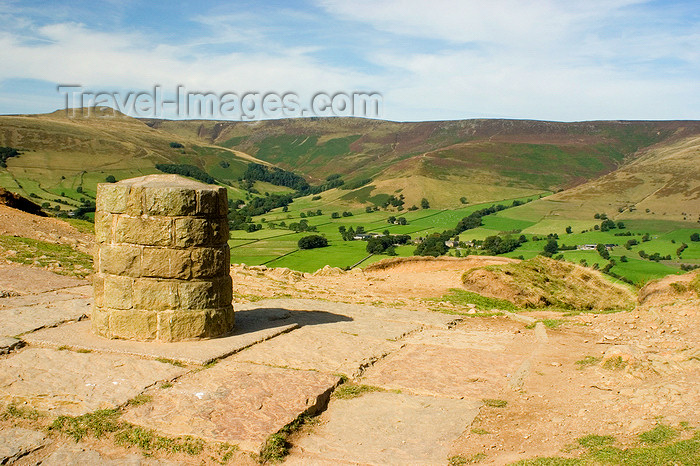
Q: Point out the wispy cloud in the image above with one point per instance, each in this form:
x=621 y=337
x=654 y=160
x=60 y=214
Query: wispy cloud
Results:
x=441 y=59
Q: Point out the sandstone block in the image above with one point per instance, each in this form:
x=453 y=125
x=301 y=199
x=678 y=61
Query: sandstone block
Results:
x=98 y=284
x=118 y=291
x=120 y=259
x=225 y=287
x=209 y=262
x=135 y=202
x=192 y=231
x=166 y=263
x=182 y=325
x=171 y=201
x=103 y=226
x=111 y=198
x=223 y=202
x=150 y=231
x=133 y=324
x=155 y=295
x=198 y=294
x=100 y=322
x=208 y=202
x=219 y=232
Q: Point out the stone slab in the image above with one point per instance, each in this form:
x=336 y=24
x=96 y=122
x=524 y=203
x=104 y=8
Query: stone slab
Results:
x=320 y=349
x=463 y=338
x=356 y=311
x=65 y=294
x=75 y=455
x=440 y=371
x=7 y=344
x=338 y=338
x=19 y=320
x=72 y=383
x=17 y=442
x=234 y=402
x=26 y=279
x=252 y=327
x=386 y=428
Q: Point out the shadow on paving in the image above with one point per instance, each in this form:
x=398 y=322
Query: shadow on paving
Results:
x=254 y=320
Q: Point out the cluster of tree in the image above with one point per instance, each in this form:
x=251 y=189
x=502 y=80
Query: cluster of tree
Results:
x=276 y=176
x=689 y=267
x=424 y=204
x=473 y=220
x=656 y=257
x=434 y=245
x=630 y=243
x=386 y=244
x=348 y=234
x=369 y=209
x=680 y=250
x=394 y=201
x=333 y=181
x=6 y=153
x=495 y=245
x=176 y=145
x=608 y=224
x=311 y=213
x=397 y=221
x=186 y=170
x=345 y=214
x=312 y=242
x=240 y=216
x=602 y=251
x=301 y=225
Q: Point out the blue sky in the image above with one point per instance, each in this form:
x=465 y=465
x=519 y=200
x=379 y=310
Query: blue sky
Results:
x=430 y=60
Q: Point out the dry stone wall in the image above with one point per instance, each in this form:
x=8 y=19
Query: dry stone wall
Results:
x=162 y=260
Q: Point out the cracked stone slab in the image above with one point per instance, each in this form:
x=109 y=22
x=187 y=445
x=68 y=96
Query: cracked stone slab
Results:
x=453 y=363
x=64 y=294
x=25 y=279
x=17 y=442
x=386 y=428
x=8 y=344
x=19 y=320
x=75 y=455
x=252 y=327
x=71 y=383
x=315 y=348
x=335 y=337
x=234 y=402
x=436 y=371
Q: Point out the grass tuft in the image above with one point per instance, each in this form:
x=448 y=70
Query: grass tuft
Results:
x=495 y=403
x=275 y=449
x=20 y=412
x=587 y=361
x=659 y=434
x=594 y=440
x=348 y=391
x=459 y=460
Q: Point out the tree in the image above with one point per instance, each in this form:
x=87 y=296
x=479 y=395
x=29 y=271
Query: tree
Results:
x=368 y=209
x=110 y=179
x=568 y=230
x=312 y=242
x=402 y=221
x=551 y=247
x=335 y=215
x=424 y=204
x=391 y=219
x=463 y=200
x=695 y=237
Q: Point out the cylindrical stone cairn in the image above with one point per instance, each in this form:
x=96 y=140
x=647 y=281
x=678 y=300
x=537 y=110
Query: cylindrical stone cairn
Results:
x=162 y=260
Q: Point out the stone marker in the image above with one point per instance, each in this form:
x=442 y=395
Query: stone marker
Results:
x=162 y=260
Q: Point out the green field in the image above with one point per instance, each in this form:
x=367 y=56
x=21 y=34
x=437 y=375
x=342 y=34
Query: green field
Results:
x=278 y=247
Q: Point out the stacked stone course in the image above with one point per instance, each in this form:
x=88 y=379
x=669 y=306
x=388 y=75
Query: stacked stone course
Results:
x=162 y=260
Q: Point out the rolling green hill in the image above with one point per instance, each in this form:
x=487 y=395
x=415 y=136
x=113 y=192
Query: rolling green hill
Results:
x=62 y=159
x=487 y=159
